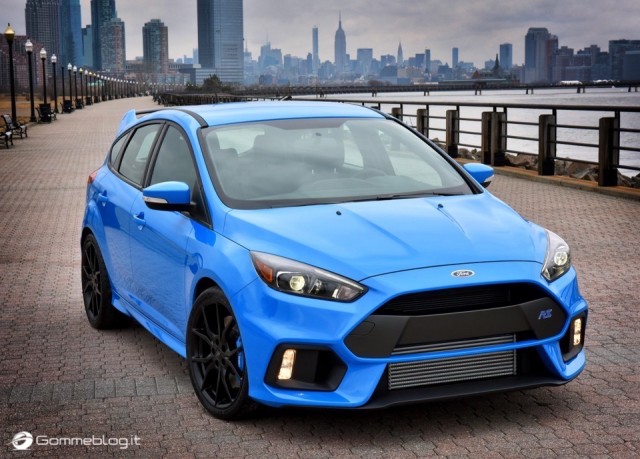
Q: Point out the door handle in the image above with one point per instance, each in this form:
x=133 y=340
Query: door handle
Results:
x=139 y=219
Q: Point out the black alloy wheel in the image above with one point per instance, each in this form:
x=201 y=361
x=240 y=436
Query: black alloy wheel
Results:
x=216 y=359
x=96 y=288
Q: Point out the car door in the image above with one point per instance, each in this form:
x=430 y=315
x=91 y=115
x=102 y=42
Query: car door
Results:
x=117 y=192
x=159 y=239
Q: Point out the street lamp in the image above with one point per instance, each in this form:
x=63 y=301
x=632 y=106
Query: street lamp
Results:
x=87 y=96
x=9 y=35
x=64 y=96
x=75 y=85
x=43 y=58
x=54 y=60
x=69 y=68
x=80 y=72
x=29 y=48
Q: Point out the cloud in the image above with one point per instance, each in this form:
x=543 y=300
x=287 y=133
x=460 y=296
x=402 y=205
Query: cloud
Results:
x=477 y=28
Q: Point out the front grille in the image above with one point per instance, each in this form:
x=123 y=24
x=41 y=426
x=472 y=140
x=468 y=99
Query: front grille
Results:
x=461 y=299
x=422 y=373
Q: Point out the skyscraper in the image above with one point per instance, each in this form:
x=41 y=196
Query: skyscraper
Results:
x=42 y=19
x=618 y=50
x=71 y=33
x=539 y=47
x=506 y=56
x=340 y=49
x=155 y=44
x=316 y=57
x=400 y=57
x=87 y=48
x=220 y=38
x=113 y=47
x=427 y=60
x=454 y=58
x=102 y=11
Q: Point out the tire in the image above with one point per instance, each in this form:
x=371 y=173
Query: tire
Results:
x=96 y=288
x=215 y=357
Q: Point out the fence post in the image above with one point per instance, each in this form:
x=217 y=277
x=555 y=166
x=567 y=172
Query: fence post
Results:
x=498 y=138
x=609 y=151
x=422 y=121
x=547 y=145
x=453 y=132
x=485 y=147
x=396 y=112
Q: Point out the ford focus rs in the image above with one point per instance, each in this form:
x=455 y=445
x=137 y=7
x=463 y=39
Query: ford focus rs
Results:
x=323 y=255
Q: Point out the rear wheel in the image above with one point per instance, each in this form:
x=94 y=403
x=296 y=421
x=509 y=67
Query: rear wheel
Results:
x=216 y=359
x=96 y=288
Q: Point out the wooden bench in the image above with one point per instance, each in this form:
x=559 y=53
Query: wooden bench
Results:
x=15 y=128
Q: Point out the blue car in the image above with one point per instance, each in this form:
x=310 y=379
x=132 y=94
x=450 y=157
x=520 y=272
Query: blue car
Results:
x=318 y=254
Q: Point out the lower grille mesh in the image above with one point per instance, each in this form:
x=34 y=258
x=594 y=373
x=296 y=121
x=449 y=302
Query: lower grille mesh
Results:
x=421 y=373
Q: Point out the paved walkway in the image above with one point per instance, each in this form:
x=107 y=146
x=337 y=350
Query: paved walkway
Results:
x=60 y=378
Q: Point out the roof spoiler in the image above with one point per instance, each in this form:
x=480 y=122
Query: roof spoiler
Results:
x=132 y=115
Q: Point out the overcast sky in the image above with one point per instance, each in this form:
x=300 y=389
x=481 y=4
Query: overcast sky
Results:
x=476 y=27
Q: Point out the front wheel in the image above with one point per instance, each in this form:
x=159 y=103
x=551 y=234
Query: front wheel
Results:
x=216 y=359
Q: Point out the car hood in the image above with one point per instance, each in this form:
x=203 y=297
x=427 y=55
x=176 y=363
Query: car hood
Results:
x=364 y=239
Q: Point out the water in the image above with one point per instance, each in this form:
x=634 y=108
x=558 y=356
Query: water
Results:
x=618 y=97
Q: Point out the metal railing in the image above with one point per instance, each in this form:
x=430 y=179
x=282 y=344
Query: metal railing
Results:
x=496 y=130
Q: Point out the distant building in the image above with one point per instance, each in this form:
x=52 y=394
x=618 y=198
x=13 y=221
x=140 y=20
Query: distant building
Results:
x=315 y=56
x=454 y=58
x=220 y=38
x=71 y=33
x=631 y=66
x=155 y=45
x=539 y=49
x=506 y=56
x=340 y=48
x=102 y=11
x=400 y=59
x=113 y=47
x=427 y=60
x=42 y=18
x=364 y=58
x=617 y=52
x=87 y=48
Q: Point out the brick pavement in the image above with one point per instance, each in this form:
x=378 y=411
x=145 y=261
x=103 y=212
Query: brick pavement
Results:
x=59 y=377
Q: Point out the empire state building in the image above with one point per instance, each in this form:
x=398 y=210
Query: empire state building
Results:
x=340 y=50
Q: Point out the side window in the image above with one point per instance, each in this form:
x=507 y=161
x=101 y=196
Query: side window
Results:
x=174 y=162
x=134 y=158
x=115 y=150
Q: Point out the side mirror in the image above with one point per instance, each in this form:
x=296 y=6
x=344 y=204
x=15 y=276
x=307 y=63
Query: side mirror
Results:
x=168 y=196
x=482 y=173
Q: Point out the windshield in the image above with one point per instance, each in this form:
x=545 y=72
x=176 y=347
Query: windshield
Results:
x=311 y=161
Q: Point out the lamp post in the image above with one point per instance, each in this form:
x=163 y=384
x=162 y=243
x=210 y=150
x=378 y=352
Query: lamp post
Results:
x=75 y=85
x=43 y=58
x=87 y=93
x=69 y=68
x=64 y=96
x=54 y=60
x=9 y=35
x=80 y=72
x=29 y=48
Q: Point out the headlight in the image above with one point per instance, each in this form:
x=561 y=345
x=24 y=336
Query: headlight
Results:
x=299 y=279
x=558 y=258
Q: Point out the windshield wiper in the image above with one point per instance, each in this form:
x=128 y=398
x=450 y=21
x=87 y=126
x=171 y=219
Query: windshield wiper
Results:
x=385 y=197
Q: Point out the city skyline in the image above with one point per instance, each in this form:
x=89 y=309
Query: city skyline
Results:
x=478 y=28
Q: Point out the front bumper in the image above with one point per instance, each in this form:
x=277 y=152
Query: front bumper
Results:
x=373 y=345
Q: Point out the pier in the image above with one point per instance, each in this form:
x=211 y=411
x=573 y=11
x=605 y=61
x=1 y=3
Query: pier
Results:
x=60 y=377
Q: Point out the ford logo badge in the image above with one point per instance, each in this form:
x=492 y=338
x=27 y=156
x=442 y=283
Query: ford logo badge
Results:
x=463 y=273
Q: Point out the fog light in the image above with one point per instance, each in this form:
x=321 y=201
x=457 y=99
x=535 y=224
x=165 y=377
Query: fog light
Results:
x=286 y=368
x=577 y=331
